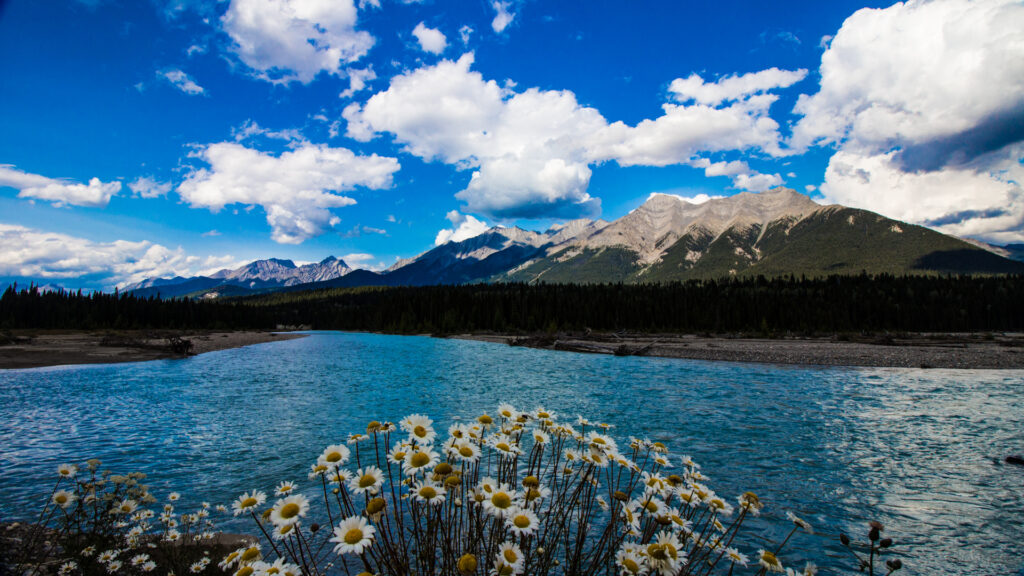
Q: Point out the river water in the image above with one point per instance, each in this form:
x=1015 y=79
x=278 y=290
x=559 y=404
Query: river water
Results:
x=919 y=450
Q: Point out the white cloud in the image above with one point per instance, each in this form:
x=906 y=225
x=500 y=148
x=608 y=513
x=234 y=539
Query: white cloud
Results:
x=297 y=189
x=430 y=39
x=985 y=203
x=35 y=253
x=531 y=151
x=464 y=227
x=357 y=80
x=147 y=187
x=181 y=81
x=502 y=15
x=60 y=192
x=363 y=261
x=465 y=33
x=916 y=71
x=733 y=87
x=742 y=176
x=925 y=101
x=695 y=199
x=294 y=40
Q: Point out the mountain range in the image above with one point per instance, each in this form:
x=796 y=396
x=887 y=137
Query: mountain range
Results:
x=668 y=238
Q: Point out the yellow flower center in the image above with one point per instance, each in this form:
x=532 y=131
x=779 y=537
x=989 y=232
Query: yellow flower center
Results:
x=367 y=480
x=510 y=555
x=521 y=521
x=501 y=500
x=657 y=551
x=543 y=414
x=353 y=536
x=631 y=565
x=375 y=505
x=502 y=446
x=250 y=554
x=61 y=498
x=531 y=482
x=289 y=510
x=651 y=506
x=249 y=503
x=245 y=571
x=466 y=451
x=333 y=457
x=420 y=459
x=769 y=558
x=399 y=456
x=485 y=420
x=419 y=431
x=428 y=493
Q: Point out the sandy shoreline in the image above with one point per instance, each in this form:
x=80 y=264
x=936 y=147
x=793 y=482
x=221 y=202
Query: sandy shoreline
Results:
x=34 y=349
x=963 y=351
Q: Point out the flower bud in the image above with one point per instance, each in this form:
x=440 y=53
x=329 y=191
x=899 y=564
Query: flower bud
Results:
x=314 y=528
x=885 y=543
x=844 y=539
x=467 y=564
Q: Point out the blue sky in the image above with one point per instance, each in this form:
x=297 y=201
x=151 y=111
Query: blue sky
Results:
x=145 y=138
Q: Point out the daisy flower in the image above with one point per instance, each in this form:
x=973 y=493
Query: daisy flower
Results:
x=63 y=498
x=768 y=561
x=283 y=531
x=419 y=460
x=248 y=502
x=485 y=421
x=522 y=521
x=511 y=555
x=284 y=488
x=67 y=568
x=140 y=559
x=751 y=503
x=334 y=455
x=107 y=556
x=800 y=522
x=429 y=492
x=736 y=557
x=289 y=510
x=420 y=428
x=630 y=563
x=197 y=567
x=67 y=470
x=664 y=554
x=505 y=447
x=540 y=436
x=113 y=566
x=542 y=414
x=368 y=479
x=353 y=536
x=88 y=551
x=507 y=411
x=127 y=506
x=398 y=453
x=148 y=566
x=174 y=497
x=501 y=500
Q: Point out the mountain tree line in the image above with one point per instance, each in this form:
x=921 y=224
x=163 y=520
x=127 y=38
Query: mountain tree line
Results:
x=786 y=304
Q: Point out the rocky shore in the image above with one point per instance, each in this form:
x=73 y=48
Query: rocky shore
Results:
x=963 y=351
x=34 y=349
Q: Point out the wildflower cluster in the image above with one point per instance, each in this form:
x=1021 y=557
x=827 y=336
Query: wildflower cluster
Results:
x=506 y=494
x=103 y=523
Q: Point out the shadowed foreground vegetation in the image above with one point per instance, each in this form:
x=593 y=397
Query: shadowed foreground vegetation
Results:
x=826 y=305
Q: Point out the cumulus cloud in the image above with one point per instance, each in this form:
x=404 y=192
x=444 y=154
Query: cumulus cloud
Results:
x=743 y=177
x=181 y=81
x=251 y=129
x=294 y=40
x=146 y=187
x=297 y=189
x=364 y=261
x=60 y=192
x=464 y=226
x=503 y=15
x=920 y=95
x=986 y=203
x=530 y=152
x=39 y=254
x=430 y=39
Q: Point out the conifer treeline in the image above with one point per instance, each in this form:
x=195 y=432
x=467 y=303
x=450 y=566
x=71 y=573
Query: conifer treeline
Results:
x=30 y=308
x=827 y=305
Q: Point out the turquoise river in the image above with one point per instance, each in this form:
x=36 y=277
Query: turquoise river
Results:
x=919 y=450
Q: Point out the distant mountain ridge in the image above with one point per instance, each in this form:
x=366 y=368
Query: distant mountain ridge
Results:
x=668 y=238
